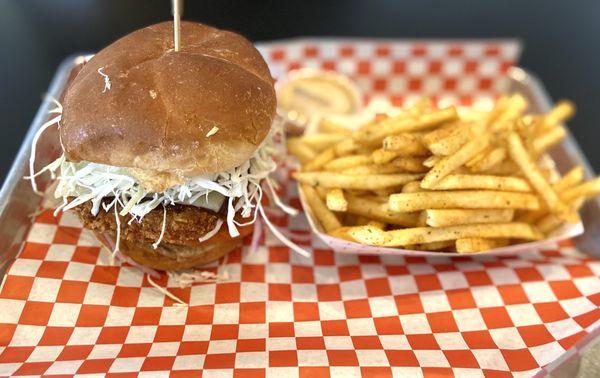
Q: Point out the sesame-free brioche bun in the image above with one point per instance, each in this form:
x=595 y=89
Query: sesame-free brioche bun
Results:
x=162 y=104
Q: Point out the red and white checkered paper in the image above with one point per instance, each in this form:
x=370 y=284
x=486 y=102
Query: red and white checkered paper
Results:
x=65 y=310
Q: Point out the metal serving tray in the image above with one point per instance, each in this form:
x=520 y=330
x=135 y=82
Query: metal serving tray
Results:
x=18 y=203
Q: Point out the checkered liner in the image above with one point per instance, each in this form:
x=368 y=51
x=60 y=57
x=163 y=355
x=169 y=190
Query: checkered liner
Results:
x=447 y=71
x=65 y=310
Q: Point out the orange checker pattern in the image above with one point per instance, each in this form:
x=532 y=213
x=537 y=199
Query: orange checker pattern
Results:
x=64 y=310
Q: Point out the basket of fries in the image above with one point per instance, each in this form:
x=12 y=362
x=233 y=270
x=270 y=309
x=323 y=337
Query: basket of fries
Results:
x=431 y=180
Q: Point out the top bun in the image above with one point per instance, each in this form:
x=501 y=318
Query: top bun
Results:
x=161 y=104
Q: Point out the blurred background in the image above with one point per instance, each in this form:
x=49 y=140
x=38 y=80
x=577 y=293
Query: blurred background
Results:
x=560 y=40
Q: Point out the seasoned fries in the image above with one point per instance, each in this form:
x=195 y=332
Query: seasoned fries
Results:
x=471 y=245
x=488 y=160
x=463 y=199
x=346 y=162
x=409 y=144
x=455 y=217
x=367 y=182
x=569 y=180
x=328 y=126
x=533 y=173
x=298 y=148
x=327 y=219
x=449 y=164
x=510 y=184
x=320 y=160
x=439 y=180
x=320 y=142
x=418 y=235
x=587 y=190
x=448 y=140
x=336 y=201
x=379 y=211
x=391 y=126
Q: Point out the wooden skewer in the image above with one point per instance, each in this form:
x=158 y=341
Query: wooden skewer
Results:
x=177 y=10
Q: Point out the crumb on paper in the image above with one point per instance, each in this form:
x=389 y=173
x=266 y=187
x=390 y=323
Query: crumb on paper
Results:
x=153 y=93
x=106 y=79
x=212 y=132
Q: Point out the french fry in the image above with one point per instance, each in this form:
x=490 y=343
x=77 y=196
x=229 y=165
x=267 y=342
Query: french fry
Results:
x=359 y=220
x=466 y=199
x=330 y=127
x=320 y=142
x=412 y=187
x=379 y=211
x=522 y=159
x=397 y=238
x=505 y=167
x=382 y=156
x=586 y=190
x=548 y=139
x=434 y=246
x=499 y=107
x=570 y=179
x=326 y=218
x=300 y=150
x=409 y=144
x=322 y=192
x=472 y=245
x=479 y=156
x=515 y=107
x=551 y=222
x=397 y=125
x=422 y=106
x=532 y=216
x=431 y=161
x=559 y=113
x=447 y=141
x=346 y=162
x=455 y=217
x=504 y=183
x=443 y=132
x=371 y=134
x=346 y=147
x=409 y=164
x=342 y=233
x=379 y=199
x=422 y=220
x=318 y=162
x=359 y=192
x=374 y=169
x=449 y=164
x=336 y=201
x=370 y=182
x=494 y=157
x=376 y=224
x=385 y=193
x=528 y=127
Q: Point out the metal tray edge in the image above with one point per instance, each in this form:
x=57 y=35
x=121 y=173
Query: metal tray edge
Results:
x=14 y=174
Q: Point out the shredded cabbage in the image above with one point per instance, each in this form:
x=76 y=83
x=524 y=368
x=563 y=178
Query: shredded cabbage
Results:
x=106 y=79
x=84 y=181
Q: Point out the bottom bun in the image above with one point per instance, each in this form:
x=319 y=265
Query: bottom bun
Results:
x=177 y=257
x=174 y=257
